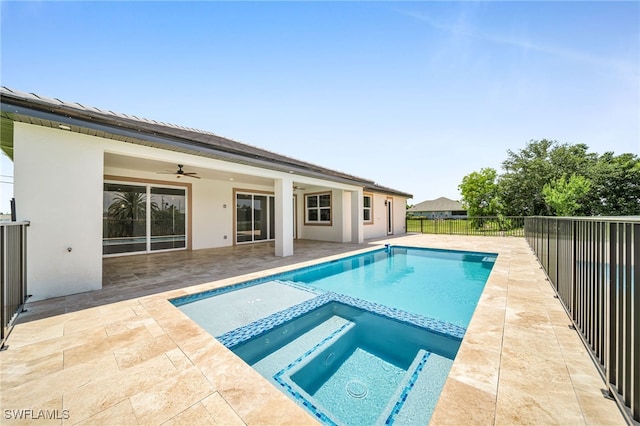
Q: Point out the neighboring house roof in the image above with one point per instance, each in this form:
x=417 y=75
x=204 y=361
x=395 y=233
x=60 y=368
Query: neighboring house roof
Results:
x=35 y=109
x=441 y=204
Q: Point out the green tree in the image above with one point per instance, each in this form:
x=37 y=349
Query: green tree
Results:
x=538 y=164
x=127 y=215
x=480 y=193
x=565 y=196
x=616 y=185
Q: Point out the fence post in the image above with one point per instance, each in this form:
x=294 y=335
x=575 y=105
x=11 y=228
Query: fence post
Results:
x=13 y=275
x=611 y=356
x=635 y=363
x=3 y=272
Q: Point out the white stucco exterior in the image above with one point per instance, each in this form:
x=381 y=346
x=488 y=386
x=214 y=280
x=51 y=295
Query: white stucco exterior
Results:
x=59 y=181
x=378 y=226
x=58 y=186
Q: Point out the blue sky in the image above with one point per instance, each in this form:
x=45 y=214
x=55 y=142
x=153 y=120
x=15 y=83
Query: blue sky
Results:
x=414 y=95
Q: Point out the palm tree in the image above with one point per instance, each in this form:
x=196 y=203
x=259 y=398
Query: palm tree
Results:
x=127 y=215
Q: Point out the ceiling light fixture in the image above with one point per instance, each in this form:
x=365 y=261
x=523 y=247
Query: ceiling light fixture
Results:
x=64 y=127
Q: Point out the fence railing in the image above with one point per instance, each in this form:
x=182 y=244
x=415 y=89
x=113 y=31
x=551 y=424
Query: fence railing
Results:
x=592 y=263
x=503 y=226
x=13 y=274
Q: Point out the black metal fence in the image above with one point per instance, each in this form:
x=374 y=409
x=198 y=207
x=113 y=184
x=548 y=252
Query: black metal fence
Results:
x=593 y=265
x=502 y=226
x=13 y=274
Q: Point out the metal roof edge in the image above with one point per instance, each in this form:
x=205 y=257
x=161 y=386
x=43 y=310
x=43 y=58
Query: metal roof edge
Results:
x=192 y=146
x=152 y=131
x=384 y=190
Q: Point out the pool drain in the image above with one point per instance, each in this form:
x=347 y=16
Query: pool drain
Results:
x=356 y=389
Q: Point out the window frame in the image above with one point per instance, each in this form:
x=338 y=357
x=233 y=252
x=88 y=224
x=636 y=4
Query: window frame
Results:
x=318 y=208
x=148 y=184
x=269 y=211
x=365 y=208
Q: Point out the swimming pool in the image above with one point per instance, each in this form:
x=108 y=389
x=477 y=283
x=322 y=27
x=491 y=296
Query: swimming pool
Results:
x=368 y=339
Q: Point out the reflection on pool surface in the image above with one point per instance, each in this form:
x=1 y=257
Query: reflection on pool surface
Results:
x=346 y=344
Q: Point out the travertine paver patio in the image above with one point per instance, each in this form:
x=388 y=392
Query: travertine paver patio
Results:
x=125 y=355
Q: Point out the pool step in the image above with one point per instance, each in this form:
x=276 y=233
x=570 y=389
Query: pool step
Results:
x=418 y=395
x=410 y=401
x=285 y=355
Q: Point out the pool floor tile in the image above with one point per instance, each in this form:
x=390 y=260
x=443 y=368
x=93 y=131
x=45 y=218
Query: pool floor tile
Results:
x=99 y=394
x=142 y=350
x=467 y=404
x=221 y=411
x=161 y=402
x=197 y=414
x=477 y=366
x=276 y=410
x=120 y=413
x=516 y=406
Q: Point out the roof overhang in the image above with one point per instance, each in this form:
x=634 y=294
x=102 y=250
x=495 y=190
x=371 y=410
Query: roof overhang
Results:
x=27 y=108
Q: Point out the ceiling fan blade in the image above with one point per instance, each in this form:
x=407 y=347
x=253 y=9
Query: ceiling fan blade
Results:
x=179 y=173
x=191 y=175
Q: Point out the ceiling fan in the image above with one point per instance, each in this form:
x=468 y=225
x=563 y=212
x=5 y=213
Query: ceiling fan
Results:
x=179 y=173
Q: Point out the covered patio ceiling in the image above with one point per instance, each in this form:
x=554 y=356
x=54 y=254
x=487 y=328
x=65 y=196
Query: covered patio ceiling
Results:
x=163 y=169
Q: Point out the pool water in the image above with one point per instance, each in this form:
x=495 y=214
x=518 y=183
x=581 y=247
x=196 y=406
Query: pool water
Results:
x=440 y=284
x=359 y=388
x=369 y=339
x=351 y=366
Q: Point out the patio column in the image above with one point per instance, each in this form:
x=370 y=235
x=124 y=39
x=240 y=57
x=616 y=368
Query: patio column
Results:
x=357 y=230
x=284 y=216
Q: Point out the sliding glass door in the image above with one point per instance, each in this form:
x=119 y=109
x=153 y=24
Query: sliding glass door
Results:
x=168 y=218
x=124 y=218
x=255 y=217
x=142 y=218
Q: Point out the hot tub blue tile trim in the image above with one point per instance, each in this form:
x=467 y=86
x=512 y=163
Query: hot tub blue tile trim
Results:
x=297 y=395
x=242 y=334
x=405 y=391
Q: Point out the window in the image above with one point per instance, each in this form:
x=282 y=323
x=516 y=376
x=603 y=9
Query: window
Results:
x=367 y=212
x=143 y=218
x=318 y=208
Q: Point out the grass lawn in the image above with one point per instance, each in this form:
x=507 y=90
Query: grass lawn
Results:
x=508 y=227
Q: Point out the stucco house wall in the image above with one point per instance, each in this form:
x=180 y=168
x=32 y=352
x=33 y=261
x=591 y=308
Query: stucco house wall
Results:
x=378 y=227
x=59 y=187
